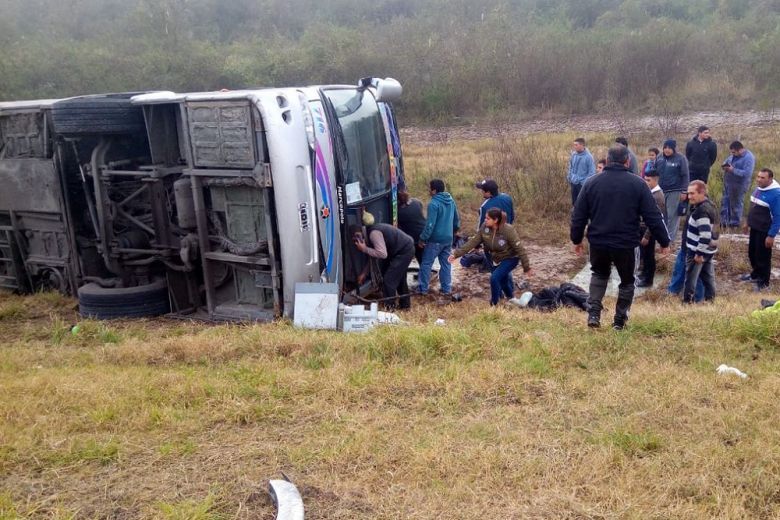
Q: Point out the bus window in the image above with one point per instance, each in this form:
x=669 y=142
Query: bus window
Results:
x=367 y=165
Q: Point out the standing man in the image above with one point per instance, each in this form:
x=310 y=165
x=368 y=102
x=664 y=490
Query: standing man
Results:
x=634 y=163
x=647 y=244
x=611 y=205
x=411 y=220
x=672 y=169
x=581 y=166
x=395 y=250
x=763 y=222
x=737 y=174
x=701 y=242
x=494 y=199
x=701 y=152
x=436 y=238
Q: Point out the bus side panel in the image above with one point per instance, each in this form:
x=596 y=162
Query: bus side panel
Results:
x=330 y=211
x=293 y=185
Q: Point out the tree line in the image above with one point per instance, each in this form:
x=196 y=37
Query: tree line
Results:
x=454 y=57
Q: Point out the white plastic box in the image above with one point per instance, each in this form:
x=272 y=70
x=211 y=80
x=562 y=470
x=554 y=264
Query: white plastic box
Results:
x=356 y=318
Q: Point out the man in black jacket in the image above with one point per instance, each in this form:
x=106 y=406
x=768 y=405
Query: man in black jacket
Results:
x=701 y=152
x=610 y=205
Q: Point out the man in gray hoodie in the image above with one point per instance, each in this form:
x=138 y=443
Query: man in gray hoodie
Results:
x=436 y=237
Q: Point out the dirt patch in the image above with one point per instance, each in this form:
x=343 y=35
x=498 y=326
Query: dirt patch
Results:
x=553 y=265
x=422 y=136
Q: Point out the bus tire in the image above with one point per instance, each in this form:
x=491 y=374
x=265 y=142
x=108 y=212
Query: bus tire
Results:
x=105 y=303
x=110 y=114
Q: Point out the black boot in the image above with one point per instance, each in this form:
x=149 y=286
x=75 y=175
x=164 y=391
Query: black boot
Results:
x=594 y=319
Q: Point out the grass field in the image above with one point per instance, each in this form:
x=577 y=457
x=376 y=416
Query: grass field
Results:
x=500 y=413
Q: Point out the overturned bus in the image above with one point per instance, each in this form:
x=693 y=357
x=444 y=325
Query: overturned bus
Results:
x=208 y=205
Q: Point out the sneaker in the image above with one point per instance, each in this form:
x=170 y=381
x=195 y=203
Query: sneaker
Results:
x=644 y=283
x=767 y=303
x=619 y=323
x=747 y=277
x=594 y=320
x=759 y=287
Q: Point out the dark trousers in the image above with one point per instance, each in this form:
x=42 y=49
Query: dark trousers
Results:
x=700 y=174
x=694 y=272
x=501 y=280
x=760 y=257
x=575 y=192
x=601 y=262
x=648 y=261
x=394 y=278
x=418 y=253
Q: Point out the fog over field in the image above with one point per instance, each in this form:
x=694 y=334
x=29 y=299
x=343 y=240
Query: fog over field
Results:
x=455 y=57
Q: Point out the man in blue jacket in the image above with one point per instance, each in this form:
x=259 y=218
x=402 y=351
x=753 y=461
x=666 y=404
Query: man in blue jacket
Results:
x=610 y=205
x=494 y=199
x=436 y=238
x=763 y=222
x=581 y=167
x=672 y=169
x=737 y=174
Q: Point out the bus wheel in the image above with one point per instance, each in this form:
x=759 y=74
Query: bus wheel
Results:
x=106 y=303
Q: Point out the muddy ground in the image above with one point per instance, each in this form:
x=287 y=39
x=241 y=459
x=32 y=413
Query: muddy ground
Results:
x=469 y=131
x=553 y=265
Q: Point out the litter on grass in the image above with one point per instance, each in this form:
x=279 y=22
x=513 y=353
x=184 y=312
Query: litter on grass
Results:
x=725 y=369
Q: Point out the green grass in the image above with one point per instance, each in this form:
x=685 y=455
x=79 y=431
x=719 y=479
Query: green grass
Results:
x=501 y=412
x=414 y=421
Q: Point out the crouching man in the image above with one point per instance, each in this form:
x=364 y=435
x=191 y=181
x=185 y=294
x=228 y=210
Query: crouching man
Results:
x=394 y=249
x=701 y=242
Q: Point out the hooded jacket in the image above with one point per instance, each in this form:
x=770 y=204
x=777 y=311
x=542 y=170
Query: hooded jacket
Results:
x=501 y=243
x=442 y=221
x=764 y=214
x=701 y=155
x=673 y=172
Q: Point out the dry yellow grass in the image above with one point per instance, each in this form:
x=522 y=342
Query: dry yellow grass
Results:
x=501 y=413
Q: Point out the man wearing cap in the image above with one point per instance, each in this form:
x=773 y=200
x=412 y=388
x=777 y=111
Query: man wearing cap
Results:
x=701 y=152
x=672 y=168
x=394 y=249
x=494 y=199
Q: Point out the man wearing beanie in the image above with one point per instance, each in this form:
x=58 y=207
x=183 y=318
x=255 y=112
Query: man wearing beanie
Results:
x=394 y=249
x=672 y=169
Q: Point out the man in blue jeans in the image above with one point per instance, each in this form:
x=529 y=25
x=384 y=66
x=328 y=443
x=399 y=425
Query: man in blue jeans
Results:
x=436 y=238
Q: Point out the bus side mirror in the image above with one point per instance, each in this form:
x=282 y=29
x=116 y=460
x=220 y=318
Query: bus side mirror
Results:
x=388 y=90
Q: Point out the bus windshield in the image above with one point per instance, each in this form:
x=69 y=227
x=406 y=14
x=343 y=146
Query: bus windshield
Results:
x=367 y=165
